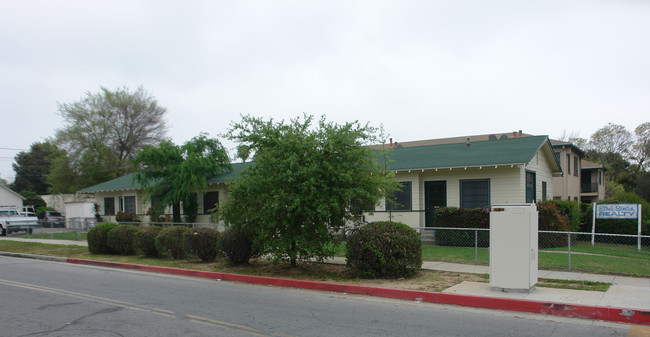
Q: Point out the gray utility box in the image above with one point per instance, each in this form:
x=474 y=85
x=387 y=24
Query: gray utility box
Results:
x=513 y=247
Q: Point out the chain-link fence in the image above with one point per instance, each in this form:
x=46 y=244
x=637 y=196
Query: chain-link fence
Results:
x=597 y=252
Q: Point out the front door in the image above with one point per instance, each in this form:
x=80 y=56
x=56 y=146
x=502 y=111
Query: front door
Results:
x=435 y=196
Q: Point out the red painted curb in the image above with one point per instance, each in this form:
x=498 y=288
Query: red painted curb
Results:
x=558 y=309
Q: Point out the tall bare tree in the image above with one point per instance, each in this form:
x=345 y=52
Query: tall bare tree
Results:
x=103 y=131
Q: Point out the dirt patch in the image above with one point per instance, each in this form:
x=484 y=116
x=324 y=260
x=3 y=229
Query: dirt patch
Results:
x=425 y=280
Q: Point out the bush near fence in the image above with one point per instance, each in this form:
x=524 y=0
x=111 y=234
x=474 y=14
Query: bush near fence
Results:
x=551 y=218
x=453 y=217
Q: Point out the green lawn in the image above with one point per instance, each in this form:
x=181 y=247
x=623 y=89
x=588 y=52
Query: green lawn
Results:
x=600 y=259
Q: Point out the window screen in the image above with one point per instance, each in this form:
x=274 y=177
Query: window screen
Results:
x=401 y=200
x=475 y=193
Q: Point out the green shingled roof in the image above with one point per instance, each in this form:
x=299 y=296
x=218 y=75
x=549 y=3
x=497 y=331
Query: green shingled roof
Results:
x=512 y=151
x=492 y=152
x=126 y=182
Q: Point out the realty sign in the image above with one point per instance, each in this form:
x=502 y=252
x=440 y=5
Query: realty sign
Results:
x=617 y=211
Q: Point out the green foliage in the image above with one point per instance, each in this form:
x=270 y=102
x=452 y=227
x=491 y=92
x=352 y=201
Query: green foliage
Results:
x=171 y=241
x=550 y=219
x=33 y=167
x=571 y=211
x=643 y=186
x=173 y=174
x=123 y=217
x=236 y=246
x=145 y=241
x=190 y=209
x=98 y=238
x=202 y=242
x=384 y=250
x=121 y=239
x=301 y=183
x=454 y=217
x=33 y=199
x=96 y=210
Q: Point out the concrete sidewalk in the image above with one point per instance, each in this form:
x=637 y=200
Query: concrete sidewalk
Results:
x=628 y=293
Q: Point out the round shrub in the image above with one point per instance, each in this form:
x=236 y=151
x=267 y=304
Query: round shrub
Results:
x=384 y=249
x=170 y=241
x=236 y=246
x=98 y=238
x=121 y=239
x=145 y=241
x=203 y=243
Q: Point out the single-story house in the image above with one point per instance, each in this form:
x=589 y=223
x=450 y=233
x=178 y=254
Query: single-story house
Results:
x=466 y=174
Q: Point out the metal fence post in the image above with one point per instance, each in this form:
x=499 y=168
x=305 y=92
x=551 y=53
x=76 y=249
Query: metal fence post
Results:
x=476 y=246
x=569 y=241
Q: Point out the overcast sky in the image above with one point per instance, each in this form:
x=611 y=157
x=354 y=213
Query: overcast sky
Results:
x=423 y=69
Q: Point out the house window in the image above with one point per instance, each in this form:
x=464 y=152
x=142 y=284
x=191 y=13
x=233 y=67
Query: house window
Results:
x=531 y=186
x=210 y=201
x=544 y=191
x=475 y=193
x=568 y=163
x=127 y=204
x=576 y=169
x=557 y=158
x=401 y=200
x=109 y=206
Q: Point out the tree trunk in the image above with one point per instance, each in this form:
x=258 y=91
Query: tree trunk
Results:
x=176 y=212
x=293 y=255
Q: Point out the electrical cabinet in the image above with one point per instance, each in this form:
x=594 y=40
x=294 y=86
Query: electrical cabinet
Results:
x=513 y=247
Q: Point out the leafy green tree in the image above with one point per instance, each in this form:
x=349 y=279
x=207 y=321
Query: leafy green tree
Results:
x=33 y=199
x=102 y=132
x=33 y=166
x=171 y=174
x=302 y=183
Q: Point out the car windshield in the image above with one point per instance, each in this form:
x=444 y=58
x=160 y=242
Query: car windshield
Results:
x=55 y=214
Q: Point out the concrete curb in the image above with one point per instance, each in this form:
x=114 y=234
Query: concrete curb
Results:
x=610 y=314
x=35 y=257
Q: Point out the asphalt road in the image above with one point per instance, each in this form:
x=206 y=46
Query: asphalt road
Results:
x=39 y=298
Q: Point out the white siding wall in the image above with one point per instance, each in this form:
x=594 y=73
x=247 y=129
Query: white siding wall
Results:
x=8 y=198
x=541 y=165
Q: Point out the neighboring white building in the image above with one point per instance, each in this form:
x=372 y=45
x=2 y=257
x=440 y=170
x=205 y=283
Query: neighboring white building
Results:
x=10 y=198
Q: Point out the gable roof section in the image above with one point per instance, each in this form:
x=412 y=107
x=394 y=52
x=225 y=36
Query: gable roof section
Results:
x=125 y=182
x=512 y=151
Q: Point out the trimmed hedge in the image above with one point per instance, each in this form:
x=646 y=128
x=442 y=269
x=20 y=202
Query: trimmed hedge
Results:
x=145 y=241
x=203 y=243
x=121 y=239
x=462 y=218
x=236 y=246
x=384 y=250
x=550 y=219
x=170 y=241
x=98 y=238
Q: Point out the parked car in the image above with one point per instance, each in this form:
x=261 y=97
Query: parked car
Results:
x=52 y=219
